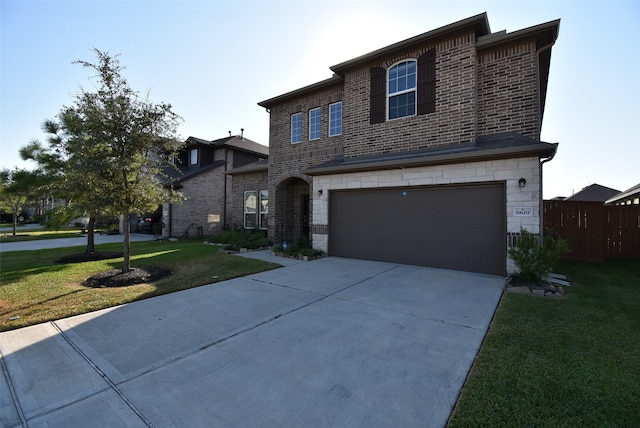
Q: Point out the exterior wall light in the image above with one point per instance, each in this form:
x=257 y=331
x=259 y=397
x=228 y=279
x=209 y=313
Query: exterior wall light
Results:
x=522 y=182
x=320 y=192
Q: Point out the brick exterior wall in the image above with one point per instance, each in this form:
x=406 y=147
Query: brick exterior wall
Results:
x=478 y=92
x=507 y=91
x=209 y=199
x=203 y=205
x=286 y=160
x=243 y=182
x=453 y=122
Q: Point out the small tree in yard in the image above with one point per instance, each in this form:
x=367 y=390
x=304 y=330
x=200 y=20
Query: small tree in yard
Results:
x=19 y=187
x=534 y=260
x=114 y=147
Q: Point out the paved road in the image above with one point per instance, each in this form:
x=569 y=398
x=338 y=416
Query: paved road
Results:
x=70 y=242
x=330 y=343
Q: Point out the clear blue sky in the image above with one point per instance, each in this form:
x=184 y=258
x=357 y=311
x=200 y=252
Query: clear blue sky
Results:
x=215 y=60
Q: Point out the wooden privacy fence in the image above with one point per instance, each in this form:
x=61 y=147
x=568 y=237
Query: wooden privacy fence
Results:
x=595 y=232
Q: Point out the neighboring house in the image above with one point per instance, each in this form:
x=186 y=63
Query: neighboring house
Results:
x=203 y=180
x=423 y=152
x=251 y=195
x=593 y=193
x=628 y=197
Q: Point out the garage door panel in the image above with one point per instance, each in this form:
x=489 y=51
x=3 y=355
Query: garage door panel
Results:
x=453 y=227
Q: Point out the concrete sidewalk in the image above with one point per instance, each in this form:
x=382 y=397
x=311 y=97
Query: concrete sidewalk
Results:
x=333 y=342
x=43 y=244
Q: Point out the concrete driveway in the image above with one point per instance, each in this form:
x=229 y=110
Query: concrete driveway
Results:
x=330 y=343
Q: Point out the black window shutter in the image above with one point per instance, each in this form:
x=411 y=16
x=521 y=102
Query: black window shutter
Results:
x=427 y=82
x=378 y=95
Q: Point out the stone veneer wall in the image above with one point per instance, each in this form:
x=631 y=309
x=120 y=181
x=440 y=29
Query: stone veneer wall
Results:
x=509 y=171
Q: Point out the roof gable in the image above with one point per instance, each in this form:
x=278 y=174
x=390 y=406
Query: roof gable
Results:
x=478 y=23
x=545 y=35
x=594 y=193
x=232 y=142
x=633 y=192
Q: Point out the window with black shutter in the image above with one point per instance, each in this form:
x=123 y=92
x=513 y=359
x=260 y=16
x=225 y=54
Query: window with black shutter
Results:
x=377 y=113
x=383 y=97
x=427 y=82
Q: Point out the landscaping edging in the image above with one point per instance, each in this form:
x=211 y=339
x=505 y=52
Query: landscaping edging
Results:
x=552 y=285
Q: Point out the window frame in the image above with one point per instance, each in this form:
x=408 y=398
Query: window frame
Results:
x=315 y=129
x=246 y=208
x=402 y=92
x=296 y=128
x=263 y=208
x=333 y=120
x=193 y=153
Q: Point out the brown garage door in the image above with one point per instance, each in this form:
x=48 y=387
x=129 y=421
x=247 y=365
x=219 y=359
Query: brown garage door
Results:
x=450 y=227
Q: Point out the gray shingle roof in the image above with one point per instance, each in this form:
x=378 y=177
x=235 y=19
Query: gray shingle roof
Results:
x=497 y=146
x=627 y=194
x=594 y=193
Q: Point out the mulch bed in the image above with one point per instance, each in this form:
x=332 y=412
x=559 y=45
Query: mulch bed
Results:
x=116 y=278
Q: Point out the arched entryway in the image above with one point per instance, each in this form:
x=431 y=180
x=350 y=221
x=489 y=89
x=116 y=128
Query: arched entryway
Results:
x=292 y=210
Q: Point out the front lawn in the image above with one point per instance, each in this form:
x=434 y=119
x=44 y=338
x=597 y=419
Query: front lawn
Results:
x=34 y=289
x=561 y=362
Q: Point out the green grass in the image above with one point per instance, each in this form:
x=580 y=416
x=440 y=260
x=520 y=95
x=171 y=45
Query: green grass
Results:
x=550 y=362
x=35 y=289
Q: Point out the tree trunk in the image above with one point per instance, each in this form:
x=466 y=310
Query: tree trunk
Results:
x=91 y=226
x=126 y=266
x=15 y=222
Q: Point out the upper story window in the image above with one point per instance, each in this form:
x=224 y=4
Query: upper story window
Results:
x=296 y=128
x=314 y=123
x=193 y=157
x=402 y=90
x=335 y=119
x=406 y=89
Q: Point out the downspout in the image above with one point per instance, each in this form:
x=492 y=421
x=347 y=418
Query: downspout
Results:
x=541 y=237
x=541 y=209
x=224 y=201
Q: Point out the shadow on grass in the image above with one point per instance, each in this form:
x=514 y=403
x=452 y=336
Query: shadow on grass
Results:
x=192 y=265
x=18 y=275
x=42 y=302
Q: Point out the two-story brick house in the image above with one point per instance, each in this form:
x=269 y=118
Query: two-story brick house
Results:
x=207 y=188
x=423 y=152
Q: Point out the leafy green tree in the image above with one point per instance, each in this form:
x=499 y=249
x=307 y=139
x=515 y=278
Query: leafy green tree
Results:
x=19 y=187
x=69 y=163
x=113 y=147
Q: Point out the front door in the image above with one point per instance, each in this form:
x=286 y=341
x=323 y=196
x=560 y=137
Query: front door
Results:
x=305 y=216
